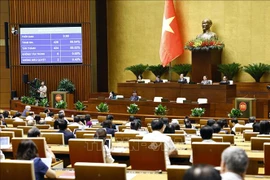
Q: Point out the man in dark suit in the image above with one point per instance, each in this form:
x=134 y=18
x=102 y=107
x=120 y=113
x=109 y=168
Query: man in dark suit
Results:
x=182 y=80
x=158 y=80
x=224 y=80
x=62 y=124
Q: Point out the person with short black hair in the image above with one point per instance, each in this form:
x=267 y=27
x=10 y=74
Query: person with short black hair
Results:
x=221 y=123
x=264 y=127
x=131 y=118
x=157 y=135
x=169 y=129
x=77 y=122
x=27 y=150
x=134 y=96
x=34 y=132
x=176 y=126
x=202 y=172
x=6 y=114
x=47 y=111
x=256 y=127
x=37 y=118
x=251 y=121
x=234 y=163
x=158 y=80
x=50 y=116
x=101 y=134
x=210 y=122
x=110 y=117
x=62 y=124
x=17 y=116
x=235 y=124
x=112 y=95
x=216 y=128
x=107 y=124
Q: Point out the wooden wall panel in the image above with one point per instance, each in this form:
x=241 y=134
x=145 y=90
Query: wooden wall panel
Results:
x=42 y=12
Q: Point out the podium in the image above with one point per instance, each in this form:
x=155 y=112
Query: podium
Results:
x=206 y=63
x=57 y=96
x=247 y=106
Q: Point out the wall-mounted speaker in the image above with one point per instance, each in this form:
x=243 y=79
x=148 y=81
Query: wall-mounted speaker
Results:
x=25 y=78
x=13 y=94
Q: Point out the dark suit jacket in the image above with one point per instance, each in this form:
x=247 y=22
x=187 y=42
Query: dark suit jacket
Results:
x=134 y=98
x=183 y=81
x=160 y=81
x=67 y=135
x=224 y=82
x=110 y=131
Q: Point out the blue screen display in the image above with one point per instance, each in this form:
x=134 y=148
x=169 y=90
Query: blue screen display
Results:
x=50 y=45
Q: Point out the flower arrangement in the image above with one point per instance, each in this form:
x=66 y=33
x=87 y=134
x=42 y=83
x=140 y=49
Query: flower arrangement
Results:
x=235 y=113
x=160 y=110
x=61 y=104
x=204 y=44
x=133 y=108
x=197 y=112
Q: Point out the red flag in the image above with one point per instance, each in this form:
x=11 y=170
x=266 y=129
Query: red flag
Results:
x=171 y=43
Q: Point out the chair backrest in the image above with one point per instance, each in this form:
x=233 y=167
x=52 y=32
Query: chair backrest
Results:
x=180 y=100
x=242 y=122
x=19 y=123
x=157 y=99
x=39 y=141
x=176 y=171
x=80 y=133
x=257 y=143
x=99 y=171
x=187 y=78
x=248 y=134
x=240 y=129
x=72 y=127
x=203 y=122
x=9 y=134
x=9 y=122
x=91 y=136
x=189 y=130
x=176 y=138
x=2 y=126
x=43 y=126
x=202 y=100
x=148 y=120
x=266 y=149
x=124 y=136
x=51 y=123
x=147 y=155
x=12 y=112
x=179 y=132
x=101 y=118
x=203 y=153
x=226 y=137
x=48 y=130
x=86 y=150
x=17 y=169
x=42 y=114
x=53 y=138
x=17 y=132
x=121 y=128
x=25 y=128
x=263 y=136
x=199 y=139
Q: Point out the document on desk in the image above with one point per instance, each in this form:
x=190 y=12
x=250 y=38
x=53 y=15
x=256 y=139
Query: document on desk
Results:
x=68 y=175
x=130 y=176
x=118 y=149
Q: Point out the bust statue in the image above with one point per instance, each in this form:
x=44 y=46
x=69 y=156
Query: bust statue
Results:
x=207 y=33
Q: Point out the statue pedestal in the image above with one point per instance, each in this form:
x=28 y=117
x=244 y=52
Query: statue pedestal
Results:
x=205 y=63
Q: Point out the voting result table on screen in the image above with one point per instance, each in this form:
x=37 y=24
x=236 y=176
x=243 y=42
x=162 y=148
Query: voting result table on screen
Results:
x=51 y=45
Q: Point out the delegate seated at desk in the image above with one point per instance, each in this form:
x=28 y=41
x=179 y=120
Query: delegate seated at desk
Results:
x=181 y=79
x=112 y=95
x=134 y=96
x=158 y=80
x=205 y=81
x=224 y=80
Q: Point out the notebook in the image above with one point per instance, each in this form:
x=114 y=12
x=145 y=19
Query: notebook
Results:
x=5 y=143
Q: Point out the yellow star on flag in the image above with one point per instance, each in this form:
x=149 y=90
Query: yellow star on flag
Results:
x=166 y=24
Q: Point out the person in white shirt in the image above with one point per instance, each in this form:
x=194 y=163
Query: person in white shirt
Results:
x=30 y=117
x=17 y=116
x=42 y=90
x=135 y=126
x=101 y=134
x=157 y=135
x=251 y=121
x=234 y=163
x=206 y=134
x=235 y=124
x=50 y=117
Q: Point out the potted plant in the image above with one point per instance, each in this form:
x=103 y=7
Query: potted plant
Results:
x=160 y=110
x=235 y=113
x=137 y=69
x=61 y=104
x=133 y=108
x=229 y=70
x=197 y=112
x=79 y=106
x=181 y=69
x=204 y=44
x=158 y=70
x=66 y=85
x=43 y=102
x=33 y=87
x=256 y=70
x=24 y=99
x=102 y=107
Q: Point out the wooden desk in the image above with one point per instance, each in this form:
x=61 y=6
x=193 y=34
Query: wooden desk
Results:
x=214 y=93
x=147 y=107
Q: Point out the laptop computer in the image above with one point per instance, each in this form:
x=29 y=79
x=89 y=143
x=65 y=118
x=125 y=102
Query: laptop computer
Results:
x=5 y=143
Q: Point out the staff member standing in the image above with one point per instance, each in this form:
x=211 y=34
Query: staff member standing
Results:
x=42 y=90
